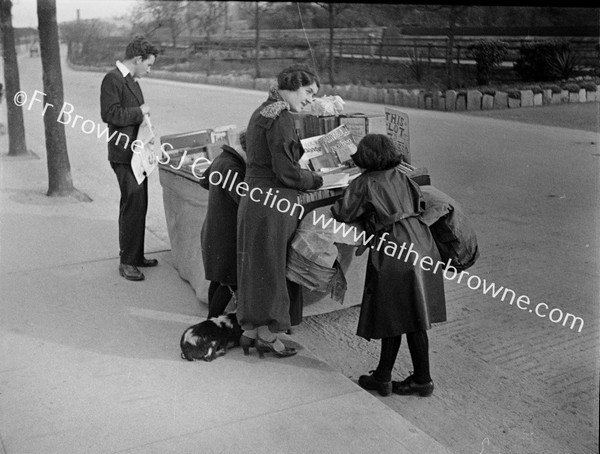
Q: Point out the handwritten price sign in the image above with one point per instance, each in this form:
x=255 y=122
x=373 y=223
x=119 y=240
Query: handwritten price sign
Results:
x=396 y=126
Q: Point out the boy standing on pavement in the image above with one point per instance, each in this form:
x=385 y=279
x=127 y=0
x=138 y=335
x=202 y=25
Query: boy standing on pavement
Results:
x=122 y=108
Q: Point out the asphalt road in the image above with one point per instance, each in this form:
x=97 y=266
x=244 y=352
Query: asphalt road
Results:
x=506 y=379
x=585 y=116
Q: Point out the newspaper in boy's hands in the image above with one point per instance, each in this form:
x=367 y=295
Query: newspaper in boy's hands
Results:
x=144 y=161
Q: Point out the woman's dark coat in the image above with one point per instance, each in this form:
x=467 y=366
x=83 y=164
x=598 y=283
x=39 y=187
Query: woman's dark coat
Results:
x=399 y=295
x=219 y=231
x=268 y=217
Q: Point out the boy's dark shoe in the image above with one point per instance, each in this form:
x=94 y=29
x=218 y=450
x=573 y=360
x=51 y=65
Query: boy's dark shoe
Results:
x=148 y=262
x=131 y=272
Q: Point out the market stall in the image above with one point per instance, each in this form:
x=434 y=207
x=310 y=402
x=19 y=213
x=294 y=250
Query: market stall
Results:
x=185 y=157
x=185 y=202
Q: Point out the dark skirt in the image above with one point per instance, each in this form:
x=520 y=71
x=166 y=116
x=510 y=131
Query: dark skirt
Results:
x=266 y=226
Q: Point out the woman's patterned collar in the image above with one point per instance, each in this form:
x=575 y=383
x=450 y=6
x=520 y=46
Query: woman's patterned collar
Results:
x=274 y=109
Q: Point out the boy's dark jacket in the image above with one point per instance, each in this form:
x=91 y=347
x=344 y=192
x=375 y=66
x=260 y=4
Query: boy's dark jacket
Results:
x=120 y=101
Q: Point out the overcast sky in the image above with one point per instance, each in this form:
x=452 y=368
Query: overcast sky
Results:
x=25 y=14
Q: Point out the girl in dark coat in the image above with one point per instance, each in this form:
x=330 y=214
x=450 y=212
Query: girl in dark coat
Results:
x=219 y=231
x=269 y=214
x=401 y=295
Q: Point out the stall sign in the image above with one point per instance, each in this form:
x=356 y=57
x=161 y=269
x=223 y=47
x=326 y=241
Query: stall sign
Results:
x=396 y=126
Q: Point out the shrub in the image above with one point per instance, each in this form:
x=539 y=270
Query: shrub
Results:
x=571 y=87
x=536 y=89
x=488 y=54
x=488 y=91
x=416 y=65
x=563 y=63
x=514 y=94
x=589 y=86
x=555 y=88
x=534 y=62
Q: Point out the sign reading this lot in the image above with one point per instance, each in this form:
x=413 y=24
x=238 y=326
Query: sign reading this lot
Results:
x=396 y=126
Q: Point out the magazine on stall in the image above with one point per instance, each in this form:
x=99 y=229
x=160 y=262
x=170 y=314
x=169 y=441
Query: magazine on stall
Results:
x=312 y=149
x=333 y=149
x=340 y=143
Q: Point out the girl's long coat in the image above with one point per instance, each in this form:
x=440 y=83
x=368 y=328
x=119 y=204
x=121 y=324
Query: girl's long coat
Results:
x=219 y=236
x=402 y=294
x=267 y=219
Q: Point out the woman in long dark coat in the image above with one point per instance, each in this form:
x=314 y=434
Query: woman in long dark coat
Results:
x=269 y=214
x=219 y=231
x=402 y=295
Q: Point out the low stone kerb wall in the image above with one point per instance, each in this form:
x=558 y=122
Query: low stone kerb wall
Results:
x=449 y=100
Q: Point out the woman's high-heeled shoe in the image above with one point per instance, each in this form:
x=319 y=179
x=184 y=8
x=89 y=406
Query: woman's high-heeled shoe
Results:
x=264 y=346
x=247 y=342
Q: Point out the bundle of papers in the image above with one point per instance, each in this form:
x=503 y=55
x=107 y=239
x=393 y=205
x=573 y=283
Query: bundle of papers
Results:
x=338 y=177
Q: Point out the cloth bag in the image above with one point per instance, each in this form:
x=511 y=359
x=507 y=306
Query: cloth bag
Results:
x=451 y=229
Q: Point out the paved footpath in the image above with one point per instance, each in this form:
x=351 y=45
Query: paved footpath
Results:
x=90 y=362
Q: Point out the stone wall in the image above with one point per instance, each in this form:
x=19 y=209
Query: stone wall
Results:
x=449 y=100
x=452 y=100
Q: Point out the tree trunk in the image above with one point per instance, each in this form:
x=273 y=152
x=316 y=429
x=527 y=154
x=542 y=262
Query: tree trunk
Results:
x=208 y=56
x=453 y=13
x=331 y=31
x=16 y=127
x=257 y=43
x=59 y=169
x=174 y=33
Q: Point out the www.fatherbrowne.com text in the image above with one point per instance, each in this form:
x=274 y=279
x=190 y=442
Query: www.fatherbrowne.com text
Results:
x=403 y=251
x=406 y=252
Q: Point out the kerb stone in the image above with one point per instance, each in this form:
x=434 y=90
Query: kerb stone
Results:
x=473 y=100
